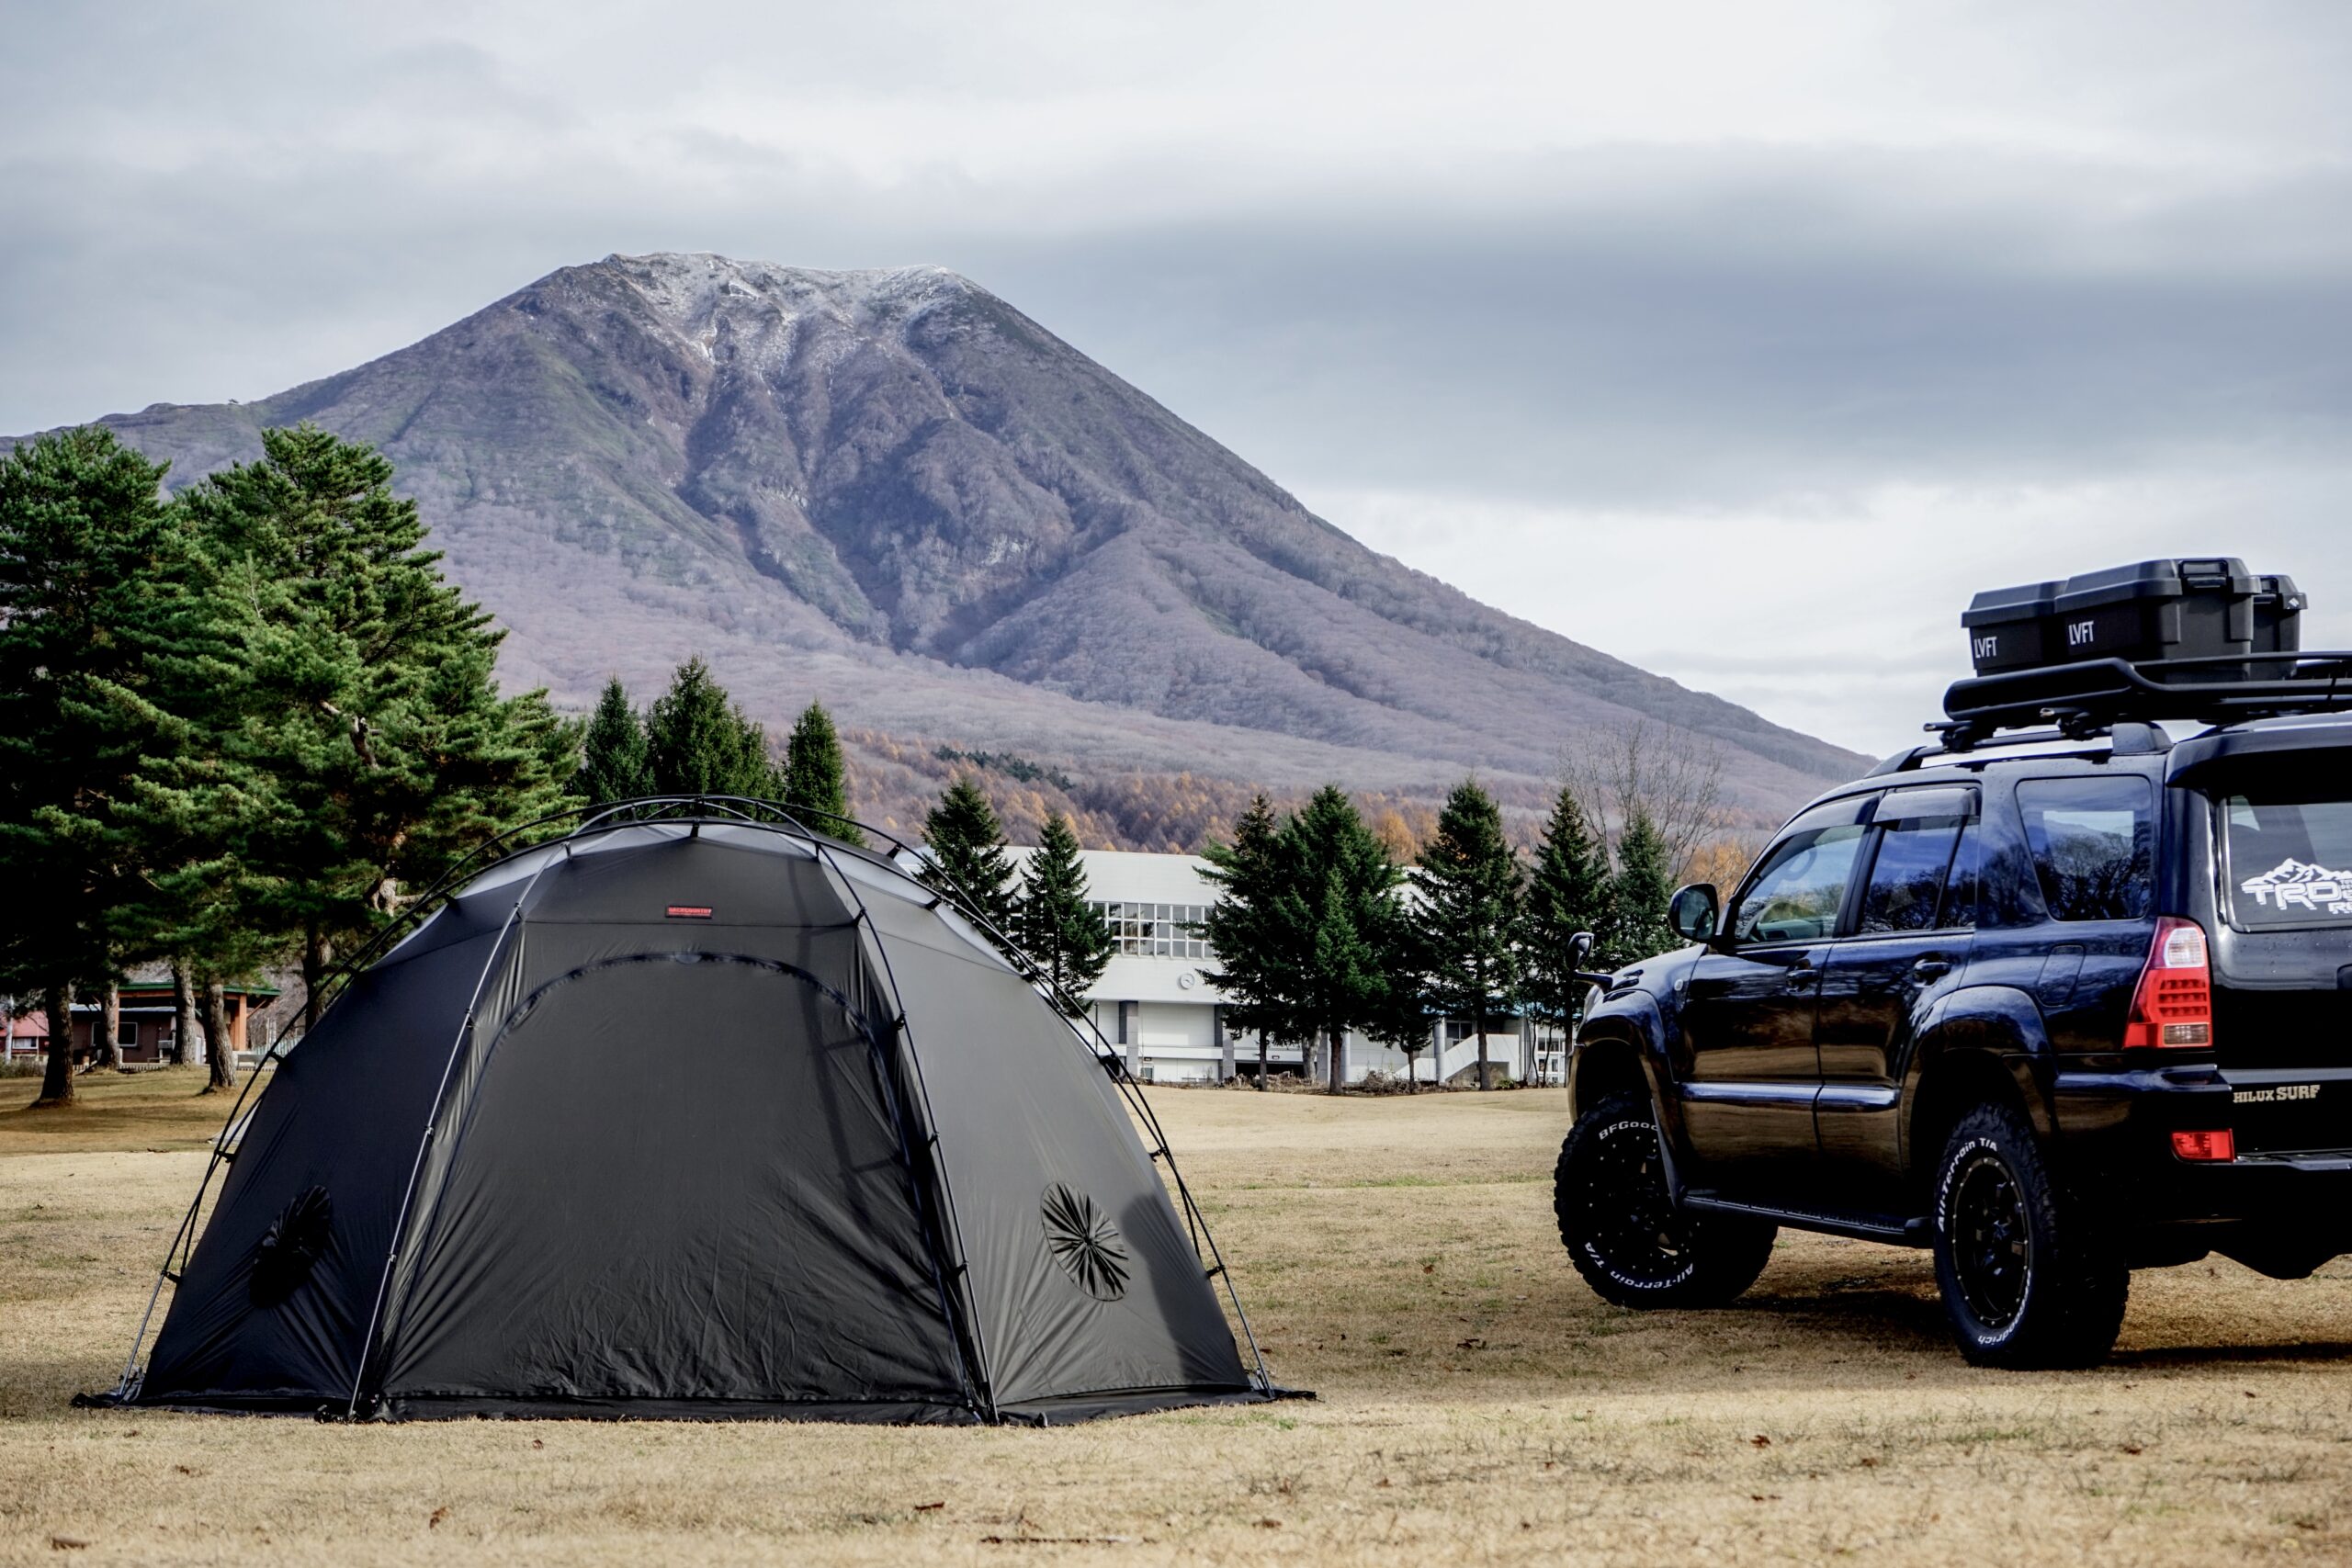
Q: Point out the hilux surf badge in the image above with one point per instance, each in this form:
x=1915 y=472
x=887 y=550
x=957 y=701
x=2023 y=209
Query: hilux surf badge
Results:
x=2297 y=884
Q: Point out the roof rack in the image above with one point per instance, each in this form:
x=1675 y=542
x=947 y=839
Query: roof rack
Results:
x=2092 y=697
x=2124 y=738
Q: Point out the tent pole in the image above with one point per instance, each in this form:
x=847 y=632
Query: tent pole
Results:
x=424 y=1141
x=945 y=1189
x=1195 y=1223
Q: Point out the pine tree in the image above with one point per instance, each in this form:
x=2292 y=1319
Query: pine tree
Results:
x=698 y=742
x=1243 y=929
x=1568 y=892
x=183 y=1014
x=612 y=752
x=967 y=861
x=816 y=779
x=1638 y=894
x=1468 y=914
x=357 y=741
x=1345 y=926
x=84 y=536
x=1064 y=935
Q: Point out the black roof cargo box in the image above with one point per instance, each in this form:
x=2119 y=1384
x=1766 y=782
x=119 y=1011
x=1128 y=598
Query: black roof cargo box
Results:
x=2007 y=627
x=2182 y=608
x=2278 y=615
x=2158 y=609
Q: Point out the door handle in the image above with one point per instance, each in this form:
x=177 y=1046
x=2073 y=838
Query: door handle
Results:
x=1803 y=973
x=1931 y=968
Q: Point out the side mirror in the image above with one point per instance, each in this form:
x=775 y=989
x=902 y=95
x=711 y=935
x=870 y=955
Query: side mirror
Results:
x=1580 y=954
x=1694 y=911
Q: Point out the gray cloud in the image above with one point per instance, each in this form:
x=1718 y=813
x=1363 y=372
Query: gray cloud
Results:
x=1551 y=258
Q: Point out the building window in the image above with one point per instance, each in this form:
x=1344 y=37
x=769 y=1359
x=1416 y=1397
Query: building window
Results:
x=1155 y=931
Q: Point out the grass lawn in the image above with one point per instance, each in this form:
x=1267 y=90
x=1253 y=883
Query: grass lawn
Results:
x=1478 y=1404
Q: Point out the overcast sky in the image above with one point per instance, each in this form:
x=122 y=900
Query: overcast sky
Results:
x=1740 y=339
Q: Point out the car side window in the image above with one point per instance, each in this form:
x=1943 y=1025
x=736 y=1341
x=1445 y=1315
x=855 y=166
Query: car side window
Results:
x=1961 y=886
x=1800 y=886
x=1918 y=828
x=2093 y=842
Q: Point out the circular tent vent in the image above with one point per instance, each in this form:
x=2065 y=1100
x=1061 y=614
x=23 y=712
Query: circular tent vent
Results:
x=291 y=1247
x=1085 y=1243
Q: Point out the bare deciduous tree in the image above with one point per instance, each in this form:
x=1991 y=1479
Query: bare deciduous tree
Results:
x=1672 y=776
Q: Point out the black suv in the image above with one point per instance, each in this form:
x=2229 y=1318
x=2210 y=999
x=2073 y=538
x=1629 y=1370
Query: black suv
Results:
x=2058 y=1005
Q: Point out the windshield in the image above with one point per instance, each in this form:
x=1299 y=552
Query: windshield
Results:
x=2288 y=861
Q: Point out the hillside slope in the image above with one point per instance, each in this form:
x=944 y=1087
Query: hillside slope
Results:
x=894 y=490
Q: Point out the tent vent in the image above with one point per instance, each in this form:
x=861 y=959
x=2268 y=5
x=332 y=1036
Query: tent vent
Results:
x=291 y=1247
x=1085 y=1243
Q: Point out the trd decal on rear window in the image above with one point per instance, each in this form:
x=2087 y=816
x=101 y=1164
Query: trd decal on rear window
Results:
x=2298 y=885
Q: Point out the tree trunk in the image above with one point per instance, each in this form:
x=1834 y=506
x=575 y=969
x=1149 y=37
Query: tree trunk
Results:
x=57 y=1075
x=1338 y=1063
x=316 y=954
x=219 y=1049
x=104 y=1029
x=1486 y=1076
x=1262 y=1061
x=183 y=1015
x=1412 y=1072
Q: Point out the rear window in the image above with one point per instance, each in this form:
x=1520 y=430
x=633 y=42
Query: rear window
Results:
x=2094 y=846
x=2290 y=861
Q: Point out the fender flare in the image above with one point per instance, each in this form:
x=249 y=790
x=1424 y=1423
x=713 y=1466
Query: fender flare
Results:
x=2000 y=1023
x=1632 y=1023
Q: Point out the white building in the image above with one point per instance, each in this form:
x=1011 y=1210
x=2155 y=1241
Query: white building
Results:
x=1154 y=1003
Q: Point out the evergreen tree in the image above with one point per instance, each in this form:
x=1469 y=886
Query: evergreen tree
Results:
x=83 y=536
x=969 y=863
x=816 y=779
x=357 y=742
x=1568 y=892
x=1063 y=933
x=1243 y=929
x=1639 y=894
x=612 y=752
x=698 y=742
x=1469 y=913
x=1346 y=936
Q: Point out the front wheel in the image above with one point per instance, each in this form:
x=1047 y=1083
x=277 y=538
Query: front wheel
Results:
x=2027 y=1280
x=1622 y=1230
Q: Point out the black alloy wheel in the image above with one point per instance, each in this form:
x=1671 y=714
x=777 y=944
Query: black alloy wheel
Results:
x=1630 y=1218
x=1992 y=1241
x=1623 y=1229
x=2028 y=1264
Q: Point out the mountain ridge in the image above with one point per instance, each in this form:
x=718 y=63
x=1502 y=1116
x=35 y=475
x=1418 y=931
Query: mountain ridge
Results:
x=893 y=490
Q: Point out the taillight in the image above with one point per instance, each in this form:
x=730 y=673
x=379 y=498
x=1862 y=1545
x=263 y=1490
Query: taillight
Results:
x=2216 y=1146
x=2174 y=1005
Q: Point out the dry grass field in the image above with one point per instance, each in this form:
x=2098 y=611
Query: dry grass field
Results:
x=1478 y=1403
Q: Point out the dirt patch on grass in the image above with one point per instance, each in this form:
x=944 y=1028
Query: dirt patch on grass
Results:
x=1478 y=1404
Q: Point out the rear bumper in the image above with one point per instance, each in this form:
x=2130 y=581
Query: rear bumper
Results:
x=2114 y=1129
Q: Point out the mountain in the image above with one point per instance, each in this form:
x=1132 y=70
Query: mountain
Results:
x=894 y=490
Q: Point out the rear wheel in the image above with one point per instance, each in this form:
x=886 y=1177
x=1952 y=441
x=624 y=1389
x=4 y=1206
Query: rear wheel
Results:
x=1621 y=1227
x=2027 y=1281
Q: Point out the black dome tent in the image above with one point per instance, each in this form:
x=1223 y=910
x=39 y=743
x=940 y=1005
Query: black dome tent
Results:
x=694 y=1113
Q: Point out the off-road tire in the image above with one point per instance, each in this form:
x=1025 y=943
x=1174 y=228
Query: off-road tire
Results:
x=1622 y=1229
x=2028 y=1281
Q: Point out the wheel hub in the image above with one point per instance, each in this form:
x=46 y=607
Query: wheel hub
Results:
x=1636 y=1229
x=1992 y=1245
